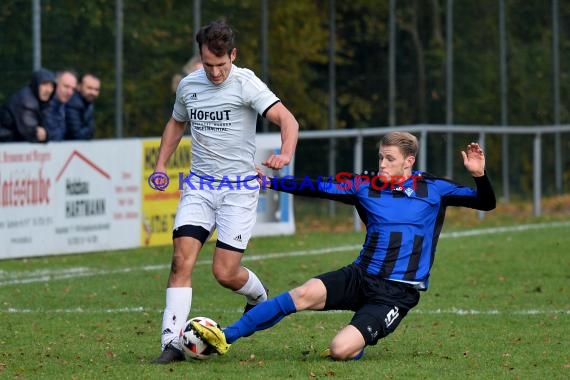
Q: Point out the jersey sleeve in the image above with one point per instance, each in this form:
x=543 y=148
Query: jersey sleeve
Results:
x=481 y=198
x=179 y=111
x=256 y=93
x=322 y=187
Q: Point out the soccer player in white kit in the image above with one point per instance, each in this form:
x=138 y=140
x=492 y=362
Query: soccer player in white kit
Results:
x=220 y=103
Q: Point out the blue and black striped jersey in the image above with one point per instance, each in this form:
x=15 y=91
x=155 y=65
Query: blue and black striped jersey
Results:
x=403 y=222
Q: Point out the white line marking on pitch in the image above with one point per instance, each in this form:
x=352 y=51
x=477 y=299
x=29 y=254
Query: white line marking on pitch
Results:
x=47 y=275
x=452 y=311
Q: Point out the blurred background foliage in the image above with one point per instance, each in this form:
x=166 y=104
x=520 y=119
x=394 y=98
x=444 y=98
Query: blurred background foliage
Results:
x=158 y=40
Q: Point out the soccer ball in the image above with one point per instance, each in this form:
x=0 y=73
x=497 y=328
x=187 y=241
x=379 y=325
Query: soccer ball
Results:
x=192 y=345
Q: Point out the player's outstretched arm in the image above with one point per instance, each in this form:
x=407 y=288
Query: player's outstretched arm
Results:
x=306 y=186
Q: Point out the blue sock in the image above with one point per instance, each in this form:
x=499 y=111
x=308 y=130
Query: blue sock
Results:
x=360 y=354
x=261 y=317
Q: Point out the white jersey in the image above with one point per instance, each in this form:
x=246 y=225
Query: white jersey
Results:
x=223 y=121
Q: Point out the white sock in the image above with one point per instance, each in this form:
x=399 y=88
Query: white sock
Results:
x=178 y=302
x=253 y=290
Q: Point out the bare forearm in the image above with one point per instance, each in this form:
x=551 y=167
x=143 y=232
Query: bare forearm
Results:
x=289 y=137
x=289 y=126
x=171 y=137
x=284 y=119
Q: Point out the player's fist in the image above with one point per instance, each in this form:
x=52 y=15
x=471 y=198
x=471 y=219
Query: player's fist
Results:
x=277 y=161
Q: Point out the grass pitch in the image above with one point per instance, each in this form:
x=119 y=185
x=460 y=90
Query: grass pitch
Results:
x=498 y=307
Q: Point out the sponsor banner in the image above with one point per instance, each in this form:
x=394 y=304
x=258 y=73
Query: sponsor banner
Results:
x=69 y=197
x=27 y=200
x=159 y=207
x=73 y=197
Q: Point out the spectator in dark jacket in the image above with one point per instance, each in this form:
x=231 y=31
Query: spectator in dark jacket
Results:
x=22 y=117
x=79 y=111
x=55 y=113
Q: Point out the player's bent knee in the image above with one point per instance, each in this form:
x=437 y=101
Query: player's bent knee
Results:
x=310 y=295
x=314 y=288
x=347 y=344
x=177 y=265
x=301 y=298
x=226 y=266
x=223 y=276
x=341 y=351
x=227 y=276
x=298 y=293
x=180 y=271
x=225 y=282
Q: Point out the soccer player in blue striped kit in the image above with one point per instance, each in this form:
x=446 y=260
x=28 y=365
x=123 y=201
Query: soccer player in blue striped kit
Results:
x=403 y=221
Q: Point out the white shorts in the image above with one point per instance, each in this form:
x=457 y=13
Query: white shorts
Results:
x=231 y=211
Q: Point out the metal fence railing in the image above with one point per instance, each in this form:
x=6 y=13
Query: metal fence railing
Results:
x=537 y=134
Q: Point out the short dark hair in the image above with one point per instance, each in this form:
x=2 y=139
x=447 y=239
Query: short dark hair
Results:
x=218 y=36
x=88 y=74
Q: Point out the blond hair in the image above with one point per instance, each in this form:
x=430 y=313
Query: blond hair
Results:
x=407 y=142
x=192 y=65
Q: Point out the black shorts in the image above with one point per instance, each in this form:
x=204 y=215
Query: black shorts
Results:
x=379 y=305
